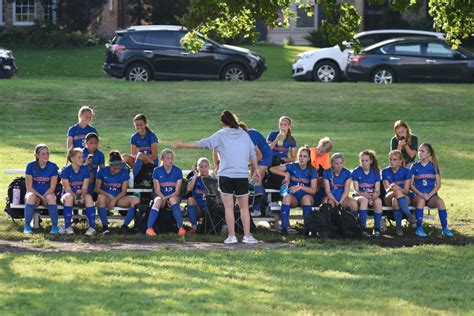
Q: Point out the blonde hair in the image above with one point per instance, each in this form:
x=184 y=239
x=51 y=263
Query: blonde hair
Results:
x=373 y=156
x=288 y=133
x=165 y=152
x=83 y=110
x=401 y=123
x=72 y=153
x=203 y=159
x=398 y=153
x=325 y=141
x=333 y=158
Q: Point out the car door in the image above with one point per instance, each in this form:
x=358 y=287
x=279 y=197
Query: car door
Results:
x=444 y=63
x=167 y=57
x=203 y=64
x=407 y=60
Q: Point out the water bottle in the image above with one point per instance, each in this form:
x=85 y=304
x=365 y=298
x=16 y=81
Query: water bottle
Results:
x=131 y=180
x=280 y=142
x=283 y=189
x=16 y=195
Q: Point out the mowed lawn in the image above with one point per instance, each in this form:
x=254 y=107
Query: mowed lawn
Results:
x=309 y=277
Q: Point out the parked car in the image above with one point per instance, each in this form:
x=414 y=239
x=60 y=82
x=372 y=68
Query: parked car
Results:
x=411 y=59
x=143 y=53
x=328 y=64
x=7 y=64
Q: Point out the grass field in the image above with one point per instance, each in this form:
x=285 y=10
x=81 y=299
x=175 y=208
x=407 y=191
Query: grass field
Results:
x=335 y=277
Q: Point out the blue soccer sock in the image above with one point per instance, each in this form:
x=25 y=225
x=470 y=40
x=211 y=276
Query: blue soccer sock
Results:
x=192 y=214
x=398 y=217
x=259 y=190
x=53 y=213
x=377 y=221
x=137 y=166
x=177 y=214
x=103 y=216
x=419 y=217
x=130 y=215
x=90 y=213
x=29 y=212
x=67 y=216
x=443 y=218
x=403 y=205
x=152 y=217
x=363 y=218
x=285 y=216
x=306 y=210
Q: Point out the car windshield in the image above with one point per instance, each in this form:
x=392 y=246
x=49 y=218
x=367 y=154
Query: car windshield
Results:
x=208 y=40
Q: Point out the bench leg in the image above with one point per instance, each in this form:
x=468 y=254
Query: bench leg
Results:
x=36 y=220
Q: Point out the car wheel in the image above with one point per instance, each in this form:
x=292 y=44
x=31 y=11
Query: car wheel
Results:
x=383 y=76
x=326 y=71
x=138 y=73
x=234 y=72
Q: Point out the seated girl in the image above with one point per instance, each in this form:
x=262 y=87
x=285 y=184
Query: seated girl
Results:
x=337 y=184
x=197 y=202
x=94 y=159
x=282 y=143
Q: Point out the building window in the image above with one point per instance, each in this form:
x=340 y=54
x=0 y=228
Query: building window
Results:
x=50 y=12
x=305 y=21
x=2 y=12
x=24 y=12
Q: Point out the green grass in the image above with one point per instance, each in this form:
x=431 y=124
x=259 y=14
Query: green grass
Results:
x=334 y=277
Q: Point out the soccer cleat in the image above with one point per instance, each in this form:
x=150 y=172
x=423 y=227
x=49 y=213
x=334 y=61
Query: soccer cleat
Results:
x=231 y=240
x=420 y=232
x=181 y=231
x=399 y=231
x=249 y=240
x=27 y=230
x=365 y=234
x=90 y=232
x=447 y=232
x=191 y=231
x=256 y=213
x=106 y=232
x=54 y=230
x=411 y=219
x=69 y=231
x=150 y=232
x=376 y=233
x=62 y=230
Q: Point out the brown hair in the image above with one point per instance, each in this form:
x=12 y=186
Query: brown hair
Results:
x=243 y=126
x=229 y=119
x=114 y=155
x=38 y=149
x=434 y=157
x=373 y=156
x=288 y=133
x=91 y=135
x=401 y=123
x=142 y=117
x=308 y=163
x=396 y=153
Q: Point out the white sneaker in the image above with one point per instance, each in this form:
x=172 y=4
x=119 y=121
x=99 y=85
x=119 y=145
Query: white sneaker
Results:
x=90 y=231
x=256 y=213
x=249 y=240
x=231 y=240
x=61 y=230
x=69 y=231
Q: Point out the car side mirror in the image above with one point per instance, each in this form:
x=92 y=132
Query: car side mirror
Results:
x=208 y=47
x=347 y=44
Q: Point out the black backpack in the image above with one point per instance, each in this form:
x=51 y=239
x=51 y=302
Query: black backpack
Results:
x=346 y=222
x=319 y=223
x=144 y=178
x=16 y=212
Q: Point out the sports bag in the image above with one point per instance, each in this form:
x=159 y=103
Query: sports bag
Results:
x=319 y=223
x=346 y=222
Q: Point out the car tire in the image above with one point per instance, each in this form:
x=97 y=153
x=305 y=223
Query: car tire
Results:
x=234 y=72
x=326 y=71
x=139 y=72
x=383 y=75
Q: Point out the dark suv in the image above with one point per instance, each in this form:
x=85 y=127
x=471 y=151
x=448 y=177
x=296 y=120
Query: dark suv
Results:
x=143 y=53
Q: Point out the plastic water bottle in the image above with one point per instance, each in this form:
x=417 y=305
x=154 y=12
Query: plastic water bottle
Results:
x=131 y=179
x=280 y=142
x=16 y=195
x=283 y=189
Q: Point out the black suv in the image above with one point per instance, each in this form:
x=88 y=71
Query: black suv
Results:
x=143 y=53
x=7 y=64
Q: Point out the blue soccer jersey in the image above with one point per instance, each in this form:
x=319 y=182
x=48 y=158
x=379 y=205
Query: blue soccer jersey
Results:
x=112 y=183
x=76 y=179
x=399 y=177
x=259 y=140
x=366 y=181
x=41 y=176
x=97 y=160
x=281 y=151
x=144 y=144
x=300 y=177
x=199 y=192
x=78 y=135
x=424 y=176
x=168 y=181
x=337 y=182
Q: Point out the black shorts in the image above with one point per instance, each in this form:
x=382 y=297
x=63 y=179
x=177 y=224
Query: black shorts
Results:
x=235 y=186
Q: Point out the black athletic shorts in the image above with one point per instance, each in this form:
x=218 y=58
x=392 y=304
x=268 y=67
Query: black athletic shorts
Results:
x=235 y=186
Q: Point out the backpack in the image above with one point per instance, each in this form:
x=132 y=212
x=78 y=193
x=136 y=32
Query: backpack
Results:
x=144 y=178
x=271 y=180
x=16 y=212
x=319 y=223
x=346 y=222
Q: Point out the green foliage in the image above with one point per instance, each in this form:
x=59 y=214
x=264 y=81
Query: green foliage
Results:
x=318 y=39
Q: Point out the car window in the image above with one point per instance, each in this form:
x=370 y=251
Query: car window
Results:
x=368 y=40
x=438 y=50
x=163 y=38
x=412 y=49
x=138 y=37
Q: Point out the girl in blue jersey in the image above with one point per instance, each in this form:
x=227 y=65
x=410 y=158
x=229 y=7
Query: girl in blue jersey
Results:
x=366 y=181
x=282 y=143
x=396 y=180
x=41 y=178
x=111 y=186
x=167 y=181
x=197 y=201
x=76 y=134
x=337 y=184
x=93 y=159
x=425 y=183
x=75 y=180
x=301 y=178
x=144 y=145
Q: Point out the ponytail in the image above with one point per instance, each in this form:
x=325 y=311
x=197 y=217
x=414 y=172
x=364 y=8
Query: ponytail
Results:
x=375 y=163
x=115 y=158
x=38 y=149
x=229 y=119
x=433 y=156
x=288 y=133
x=243 y=126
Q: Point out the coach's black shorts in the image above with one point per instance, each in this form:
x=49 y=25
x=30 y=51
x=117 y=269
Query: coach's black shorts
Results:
x=235 y=186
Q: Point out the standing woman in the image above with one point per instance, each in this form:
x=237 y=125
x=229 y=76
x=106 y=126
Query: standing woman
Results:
x=75 y=181
x=111 y=186
x=301 y=178
x=41 y=179
x=144 y=145
x=396 y=180
x=405 y=142
x=76 y=134
x=366 y=180
x=282 y=143
x=235 y=149
x=167 y=181
x=425 y=183
x=337 y=184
